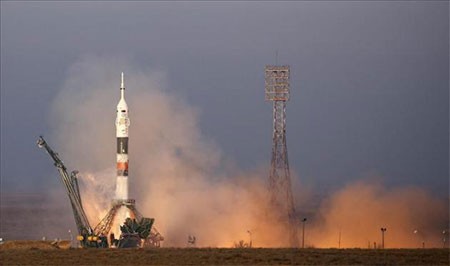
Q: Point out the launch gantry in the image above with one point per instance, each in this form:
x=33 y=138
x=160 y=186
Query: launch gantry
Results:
x=73 y=191
x=136 y=232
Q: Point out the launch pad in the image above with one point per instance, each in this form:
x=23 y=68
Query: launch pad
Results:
x=123 y=219
x=104 y=227
x=136 y=230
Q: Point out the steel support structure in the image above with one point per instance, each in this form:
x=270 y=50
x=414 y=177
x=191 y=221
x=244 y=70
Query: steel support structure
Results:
x=81 y=220
x=72 y=189
x=104 y=226
x=277 y=90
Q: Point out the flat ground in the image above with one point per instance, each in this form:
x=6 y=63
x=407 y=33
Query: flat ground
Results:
x=43 y=255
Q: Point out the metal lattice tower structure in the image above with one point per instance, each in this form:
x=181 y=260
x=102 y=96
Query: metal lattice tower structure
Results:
x=277 y=90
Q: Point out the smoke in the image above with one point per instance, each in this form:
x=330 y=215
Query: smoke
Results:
x=173 y=175
x=360 y=210
x=174 y=170
x=97 y=192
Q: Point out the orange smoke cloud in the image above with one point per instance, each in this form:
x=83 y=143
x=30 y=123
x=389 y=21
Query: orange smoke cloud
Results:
x=360 y=210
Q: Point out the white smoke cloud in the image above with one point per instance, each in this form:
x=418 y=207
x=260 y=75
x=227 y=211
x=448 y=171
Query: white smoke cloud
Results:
x=173 y=166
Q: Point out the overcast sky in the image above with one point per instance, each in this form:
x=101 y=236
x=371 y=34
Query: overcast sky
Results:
x=369 y=95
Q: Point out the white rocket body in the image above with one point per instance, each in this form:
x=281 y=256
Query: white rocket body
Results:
x=122 y=124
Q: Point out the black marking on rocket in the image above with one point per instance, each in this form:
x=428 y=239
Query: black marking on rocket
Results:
x=122 y=145
x=122 y=172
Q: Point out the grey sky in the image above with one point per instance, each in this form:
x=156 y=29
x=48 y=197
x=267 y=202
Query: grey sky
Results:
x=369 y=94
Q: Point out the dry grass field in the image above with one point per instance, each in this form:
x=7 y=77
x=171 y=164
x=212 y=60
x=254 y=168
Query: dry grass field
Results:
x=42 y=253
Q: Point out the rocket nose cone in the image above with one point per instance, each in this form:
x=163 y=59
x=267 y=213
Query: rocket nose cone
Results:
x=122 y=83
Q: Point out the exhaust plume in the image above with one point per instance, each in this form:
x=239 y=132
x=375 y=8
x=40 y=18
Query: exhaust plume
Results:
x=173 y=167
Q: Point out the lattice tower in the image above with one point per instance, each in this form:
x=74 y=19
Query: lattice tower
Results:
x=277 y=90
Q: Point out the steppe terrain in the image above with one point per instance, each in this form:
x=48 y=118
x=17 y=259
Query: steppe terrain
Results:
x=43 y=253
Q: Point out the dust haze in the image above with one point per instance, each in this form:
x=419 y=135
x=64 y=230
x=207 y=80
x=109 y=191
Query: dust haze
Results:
x=361 y=209
x=179 y=176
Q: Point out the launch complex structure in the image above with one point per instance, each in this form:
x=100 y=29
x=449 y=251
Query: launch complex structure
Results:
x=277 y=90
x=123 y=219
x=137 y=231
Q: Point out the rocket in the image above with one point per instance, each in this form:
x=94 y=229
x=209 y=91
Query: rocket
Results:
x=122 y=124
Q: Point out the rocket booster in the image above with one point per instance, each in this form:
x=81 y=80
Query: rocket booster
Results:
x=122 y=124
